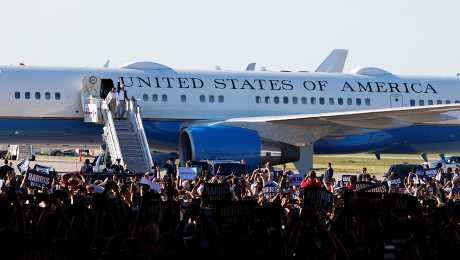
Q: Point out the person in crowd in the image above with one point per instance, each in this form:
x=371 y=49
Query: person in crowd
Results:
x=86 y=167
x=5 y=170
x=118 y=167
x=111 y=100
x=351 y=185
x=171 y=171
x=329 y=174
x=364 y=175
x=310 y=181
x=121 y=97
x=120 y=216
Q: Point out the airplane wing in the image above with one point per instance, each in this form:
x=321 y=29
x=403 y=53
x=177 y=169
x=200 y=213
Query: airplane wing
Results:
x=334 y=62
x=302 y=129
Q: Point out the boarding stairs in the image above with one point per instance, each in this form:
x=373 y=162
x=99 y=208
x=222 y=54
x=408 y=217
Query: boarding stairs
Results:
x=125 y=138
x=20 y=152
x=25 y=152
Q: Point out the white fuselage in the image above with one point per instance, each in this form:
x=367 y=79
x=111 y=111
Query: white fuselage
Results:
x=216 y=95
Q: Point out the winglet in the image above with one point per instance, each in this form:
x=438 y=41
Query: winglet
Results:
x=334 y=62
x=251 y=66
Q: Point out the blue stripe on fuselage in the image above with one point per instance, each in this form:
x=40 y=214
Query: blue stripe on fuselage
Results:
x=164 y=135
x=412 y=139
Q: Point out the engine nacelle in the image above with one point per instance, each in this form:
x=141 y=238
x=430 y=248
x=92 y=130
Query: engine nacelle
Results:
x=233 y=143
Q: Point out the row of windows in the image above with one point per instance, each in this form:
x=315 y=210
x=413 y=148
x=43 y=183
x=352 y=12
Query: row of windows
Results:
x=313 y=100
x=421 y=102
x=38 y=95
x=183 y=98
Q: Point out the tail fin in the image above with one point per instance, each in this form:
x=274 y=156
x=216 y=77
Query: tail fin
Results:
x=334 y=62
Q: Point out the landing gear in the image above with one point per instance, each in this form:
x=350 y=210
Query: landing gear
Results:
x=424 y=157
x=305 y=163
x=377 y=156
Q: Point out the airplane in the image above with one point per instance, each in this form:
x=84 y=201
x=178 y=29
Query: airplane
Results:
x=255 y=116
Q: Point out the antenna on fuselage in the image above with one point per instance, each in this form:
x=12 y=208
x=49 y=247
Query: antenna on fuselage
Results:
x=218 y=68
x=106 y=64
x=251 y=66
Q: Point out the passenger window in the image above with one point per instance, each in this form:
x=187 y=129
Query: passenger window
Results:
x=27 y=95
x=164 y=98
x=447 y=101
x=321 y=101
x=211 y=99
x=313 y=100
x=47 y=95
x=57 y=96
x=358 y=101
x=349 y=101
x=276 y=100
x=285 y=100
x=258 y=99
x=421 y=102
x=457 y=101
x=412 y=102
x=430 y=102
x=367 y=101
x=331 y=101
x=154 y=97
x=17 y=95
x=340 y=101
x=304 y=100
x=202 y=98
x=183 y=98
x=439 y=102
x=220 y=99
x=37 y=95
x=145 y=97
x=294 y=100
x=267 y=100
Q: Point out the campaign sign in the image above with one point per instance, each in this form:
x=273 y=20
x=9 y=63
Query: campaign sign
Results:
x=431 y=173
x=317 y=198
x=216 y=193
x=345 y=179
x=186 y=173
x=43 y=169
x=236 y=212
x=400 y=202
x=361 y=185
x=295 y=179
x=23 y=166
x=396 y=185
x=38 y=180
x=363 y=203
x=269 y=191
x=371 y=187
x=456 y=191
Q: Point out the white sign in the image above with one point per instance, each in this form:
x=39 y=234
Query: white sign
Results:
x=90 y=112
x=153 y=185
x=186 y=173
x=23 y=166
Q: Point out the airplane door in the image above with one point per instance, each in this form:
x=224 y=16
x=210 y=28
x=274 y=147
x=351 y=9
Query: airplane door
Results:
x=396 y=100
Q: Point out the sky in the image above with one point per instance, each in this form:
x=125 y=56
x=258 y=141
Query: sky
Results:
x=401 y=36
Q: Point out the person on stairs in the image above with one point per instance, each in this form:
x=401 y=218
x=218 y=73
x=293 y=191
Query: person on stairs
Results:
x=111 y=101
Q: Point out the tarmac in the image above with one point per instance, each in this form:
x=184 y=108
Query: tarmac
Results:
x=61 y=164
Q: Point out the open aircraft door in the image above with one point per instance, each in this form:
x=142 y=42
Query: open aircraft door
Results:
x=90 y=94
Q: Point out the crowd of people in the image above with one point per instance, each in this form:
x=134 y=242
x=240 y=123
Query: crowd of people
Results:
x=120 y=215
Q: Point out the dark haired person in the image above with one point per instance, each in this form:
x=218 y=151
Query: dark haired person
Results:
x=310 y=181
